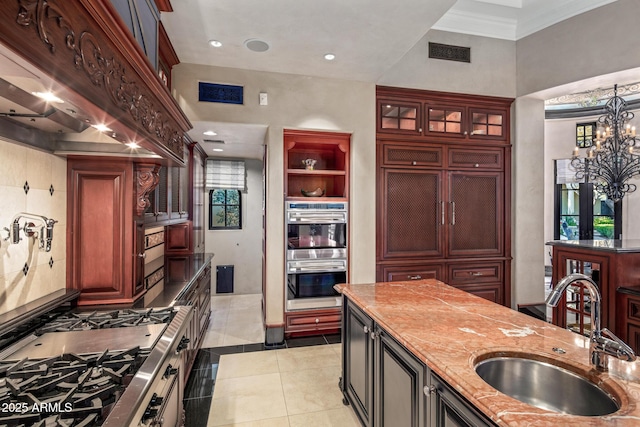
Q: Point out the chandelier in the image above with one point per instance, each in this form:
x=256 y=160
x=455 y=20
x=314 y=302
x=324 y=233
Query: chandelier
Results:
x=611 y=161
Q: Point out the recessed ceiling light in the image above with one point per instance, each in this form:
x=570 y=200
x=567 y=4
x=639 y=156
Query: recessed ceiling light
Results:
x=209 y=133
x=215 y=43
x=329 y=56
x=48 y=96
x=256 y=45
x=132 y=145
x=217 y=149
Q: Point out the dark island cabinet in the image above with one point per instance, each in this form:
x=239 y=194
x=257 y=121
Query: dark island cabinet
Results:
x=388 y=386
x=449 y=409
x=357 y=377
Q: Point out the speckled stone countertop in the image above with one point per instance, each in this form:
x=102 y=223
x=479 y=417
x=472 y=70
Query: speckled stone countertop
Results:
x=451 y=330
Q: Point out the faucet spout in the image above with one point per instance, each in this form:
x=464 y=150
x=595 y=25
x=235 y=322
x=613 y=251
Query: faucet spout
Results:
x=46 y=231
x=602 y=342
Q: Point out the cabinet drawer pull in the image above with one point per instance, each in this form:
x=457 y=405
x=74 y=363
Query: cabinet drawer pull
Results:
x=475 y=273
x=429 y=390
x=415 y=277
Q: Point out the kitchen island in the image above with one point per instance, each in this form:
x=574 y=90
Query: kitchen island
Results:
x=429 y=338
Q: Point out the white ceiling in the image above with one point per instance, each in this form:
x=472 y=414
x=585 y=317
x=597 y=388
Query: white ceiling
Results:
x=367 y=36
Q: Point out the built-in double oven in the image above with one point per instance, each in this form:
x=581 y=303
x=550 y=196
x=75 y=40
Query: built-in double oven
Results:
x=316 y=253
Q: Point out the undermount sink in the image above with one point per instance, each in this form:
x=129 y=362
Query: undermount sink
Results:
x=546 y=386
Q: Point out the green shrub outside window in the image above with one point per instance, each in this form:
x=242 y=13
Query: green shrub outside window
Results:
x=225 y=209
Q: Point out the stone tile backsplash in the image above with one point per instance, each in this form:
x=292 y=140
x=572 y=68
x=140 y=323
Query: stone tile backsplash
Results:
x=26 y=272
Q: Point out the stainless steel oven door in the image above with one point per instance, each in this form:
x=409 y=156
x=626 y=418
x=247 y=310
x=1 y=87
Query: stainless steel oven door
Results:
x=311 y=282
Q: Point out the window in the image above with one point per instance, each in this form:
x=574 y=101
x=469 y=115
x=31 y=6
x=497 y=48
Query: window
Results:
x=581 y=213
x=225 y=211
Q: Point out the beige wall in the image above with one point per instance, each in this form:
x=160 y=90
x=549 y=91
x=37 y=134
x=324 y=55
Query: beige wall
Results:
x=595 y=43
x=241 y=248
x=297 y=102
x=492 y=70
x=20 y=165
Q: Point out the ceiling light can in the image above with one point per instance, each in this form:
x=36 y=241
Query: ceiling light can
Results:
x=215 y=43
x=329 y=56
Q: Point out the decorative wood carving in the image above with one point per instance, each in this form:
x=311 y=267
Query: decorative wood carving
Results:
x=147 y=178
x=118 y=78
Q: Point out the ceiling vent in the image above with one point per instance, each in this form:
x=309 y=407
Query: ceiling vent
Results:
x=449 y=53
x=214 y=141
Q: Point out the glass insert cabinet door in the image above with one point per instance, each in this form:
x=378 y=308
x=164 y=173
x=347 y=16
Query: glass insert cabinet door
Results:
x=577 y=301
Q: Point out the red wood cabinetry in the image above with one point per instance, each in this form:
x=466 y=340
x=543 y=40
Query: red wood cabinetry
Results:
x=330 y=169
x=105 y=239
x=443 y=190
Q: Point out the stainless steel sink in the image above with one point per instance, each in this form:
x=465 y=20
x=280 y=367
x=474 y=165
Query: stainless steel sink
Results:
x=546 y=386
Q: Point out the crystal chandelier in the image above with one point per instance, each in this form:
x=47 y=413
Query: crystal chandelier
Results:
x=611 y=161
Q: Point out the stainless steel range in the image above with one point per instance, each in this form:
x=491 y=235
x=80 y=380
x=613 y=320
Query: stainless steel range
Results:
x=108 y=368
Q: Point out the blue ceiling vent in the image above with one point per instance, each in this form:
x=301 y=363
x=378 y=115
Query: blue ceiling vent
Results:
x=214 y=92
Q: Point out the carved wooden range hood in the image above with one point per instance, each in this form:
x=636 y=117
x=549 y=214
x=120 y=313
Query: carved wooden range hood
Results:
x=83 y=52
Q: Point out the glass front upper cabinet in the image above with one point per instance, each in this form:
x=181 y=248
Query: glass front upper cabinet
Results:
x=399 y=117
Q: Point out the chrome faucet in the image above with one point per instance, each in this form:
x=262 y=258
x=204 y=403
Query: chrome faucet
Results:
x=45 y=234
x=602 y=342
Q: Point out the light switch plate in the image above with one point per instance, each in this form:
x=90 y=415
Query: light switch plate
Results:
x=263 y=99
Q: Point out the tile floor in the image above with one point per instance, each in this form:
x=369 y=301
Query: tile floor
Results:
x=235 y=383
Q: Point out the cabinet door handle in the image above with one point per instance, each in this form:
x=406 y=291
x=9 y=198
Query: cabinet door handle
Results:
x=142 y=255
x=453 y=213
x=373 y=335
x=429 y=390
x=415 y=277
x=442 y=210
x=366 y=329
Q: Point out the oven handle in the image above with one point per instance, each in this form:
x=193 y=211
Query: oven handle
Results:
x=317 y=218
x=318 y=268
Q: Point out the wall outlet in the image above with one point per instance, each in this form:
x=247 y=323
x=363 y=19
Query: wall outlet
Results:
x=263 y=99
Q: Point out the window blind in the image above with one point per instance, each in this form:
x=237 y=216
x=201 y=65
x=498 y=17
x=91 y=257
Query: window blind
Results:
x=226 y=174
x=565 y=173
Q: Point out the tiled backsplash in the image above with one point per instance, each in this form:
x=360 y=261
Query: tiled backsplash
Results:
x=35 y=182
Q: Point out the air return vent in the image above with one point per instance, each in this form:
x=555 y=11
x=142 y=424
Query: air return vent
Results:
x=214 y=141
x=449 y=53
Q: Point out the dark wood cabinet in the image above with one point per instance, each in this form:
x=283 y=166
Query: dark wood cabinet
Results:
x=197 y=205
x=449 y=409
x=357 y=364
x=105 y=242
x=614 y=266
x=441 y=199
x=387 y=385
x=442 y=116
x=399 y=382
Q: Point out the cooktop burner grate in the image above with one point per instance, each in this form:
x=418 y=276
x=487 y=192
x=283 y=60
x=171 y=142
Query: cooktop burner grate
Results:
x=107 y=319
x=66 y=390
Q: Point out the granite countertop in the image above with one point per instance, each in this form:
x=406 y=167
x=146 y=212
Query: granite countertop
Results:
x=451 y=330
x=609 y=245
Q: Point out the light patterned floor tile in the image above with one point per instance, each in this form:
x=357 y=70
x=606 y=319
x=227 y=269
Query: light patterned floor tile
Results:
x=312 y=390
x=301 y=358
x=343 y=417
x=247 y=364
x=237 y=400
